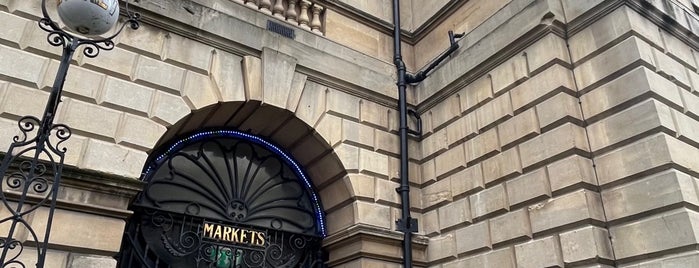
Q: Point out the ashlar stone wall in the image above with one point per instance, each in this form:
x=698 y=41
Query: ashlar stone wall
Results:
x=577 y=149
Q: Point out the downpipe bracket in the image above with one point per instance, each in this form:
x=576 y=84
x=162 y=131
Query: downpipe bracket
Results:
x=411 y=225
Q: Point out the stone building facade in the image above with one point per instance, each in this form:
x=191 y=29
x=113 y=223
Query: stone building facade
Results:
x=562 y=133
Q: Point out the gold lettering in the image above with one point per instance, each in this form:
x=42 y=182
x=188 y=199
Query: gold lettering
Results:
x=217 y=233
x=226 y=233
x=243 y=235
x=253 y=237
x=262 y=238
x=208 y=229
x=234 y=235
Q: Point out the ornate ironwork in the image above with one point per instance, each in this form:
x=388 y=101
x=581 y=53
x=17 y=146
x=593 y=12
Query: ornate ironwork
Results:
x=30 y=172
x=231 y=179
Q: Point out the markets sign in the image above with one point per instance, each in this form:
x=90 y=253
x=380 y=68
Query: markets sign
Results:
x=233 y=235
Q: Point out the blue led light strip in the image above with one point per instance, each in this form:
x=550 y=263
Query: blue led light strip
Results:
x=320 y=220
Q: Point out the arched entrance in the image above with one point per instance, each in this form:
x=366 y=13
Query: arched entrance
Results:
x=224 y=198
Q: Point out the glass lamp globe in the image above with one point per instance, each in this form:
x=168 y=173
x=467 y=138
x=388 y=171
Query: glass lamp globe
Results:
x=89 y=17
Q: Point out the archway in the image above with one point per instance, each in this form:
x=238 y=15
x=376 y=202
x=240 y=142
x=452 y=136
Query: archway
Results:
x=224 y=198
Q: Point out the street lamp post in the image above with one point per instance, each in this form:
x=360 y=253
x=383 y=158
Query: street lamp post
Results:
x=30 y=171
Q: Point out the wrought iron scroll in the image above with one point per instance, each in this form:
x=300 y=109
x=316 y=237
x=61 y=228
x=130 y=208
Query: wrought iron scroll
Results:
x=30 y=171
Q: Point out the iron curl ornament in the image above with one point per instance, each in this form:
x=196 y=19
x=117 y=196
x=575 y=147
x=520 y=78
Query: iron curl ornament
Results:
x=30 y=170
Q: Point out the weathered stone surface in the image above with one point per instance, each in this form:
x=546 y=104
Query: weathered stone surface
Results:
x=554 y=79
x=462 y=129
x=386 y=192
x=467 y=180
x=529 y=187
x=373 y=114
x=79 y=81
x=437 y=193
x=20 y=101
x=510 y=227
x=553 y=143
x=483 y=145
x=672 y=69
x=117 y=62
x=336 y=193
x=690 y=259
x=199 y=91
x=588 y=243
x=549 y=48
x=488 y=201
x=435 y=143
x=111 y=158
x=628 y=51
x=518 y=128
x=445 y=112
x=21 y=66
x=494 y=111
x=91 y=118
x=252 y=78
x=453 y=214
x=441 y=247
x=558 y=109
x=139 y=131
x=227 y=74
x=430 y=223
x=342 y=104
x=77 y=230
x=544 y=252
x=653 y=192
x=661 y=232
x=476 y=93
x=640 y=156
x=357 y=134
x=124 y=94
x=388 y=143
x=373 y=163
x=571 y=171
x=16 y=26
x=645 y=116
x=188 y=52
x=631 y=85
x=91 y=261
x=509 y=74
x=450 y=161
x=156 y=73
x=501 y=166
x=312 y=103
x=473 y=237
x=330 y=128
x=168 y=109
x=147 y=40
x=571 y=208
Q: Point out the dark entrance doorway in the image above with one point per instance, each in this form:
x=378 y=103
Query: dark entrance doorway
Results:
x=224 y=199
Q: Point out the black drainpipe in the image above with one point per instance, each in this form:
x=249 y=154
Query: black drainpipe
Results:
x=407 y=224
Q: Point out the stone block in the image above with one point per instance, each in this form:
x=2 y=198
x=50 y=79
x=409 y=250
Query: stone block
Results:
x=501 y=258
x=79 y=81
x=341 y=218
x=77 y=230
x=586 y=244
x=686 y=259
x=360 y=186
x=511 y=227
x=117 y=62
x=357 y=134
x=476 y=93
x=139 y=131
x=501 y=166
x=22 y=67
x=91 y=261
x=687 y=127
x=494 y=111
x=489 y=201
x=454 y=213
x=547 y=83
x=336 y=194
x=482 y=146
x=373 y=163
x=168 y=109
x=436 y=194
x=311 y=105
x=90 y=118
x=644 y=154
x=386 y=192
x=427 y=171
x=387 y=142
x=597 y=69
x=467 y=181
x=445 y=112
x=113 y=159
x=342 y=105
x=678 y=50
x=20 y=101
x=607 y=29
x=373 y=214
x=626 y=88
x=54 y=258
x=544 y=252
x=188 y=52
x=557 y=110
x=147 y=40
x=509 y=74
x=647 y=116
x=433 y=144
x=252 y=78
x=530 y=187
x=199 y=91
x=373 y=114
x=227 y=74
x=518 y=128
x=430 y=223
x=673 y=70
x=547 y=49
x=575 y=207
x=159 y=74
x=666 y=231
x=277 y=76
x=330 y=128
x=462 y=129
x=441 y=247
x=553 y=143
x=450 y=161
x=126 y=95
x=15 y=27
x=571 y=171
x=657 y=191
x=473 y=238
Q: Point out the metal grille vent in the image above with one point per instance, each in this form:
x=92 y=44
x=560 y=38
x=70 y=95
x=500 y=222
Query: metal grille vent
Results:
x=281 y=29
